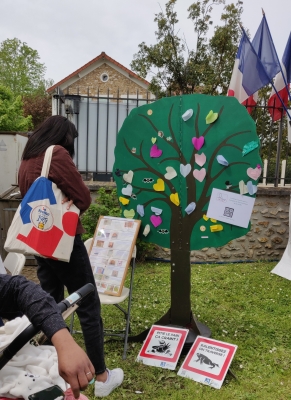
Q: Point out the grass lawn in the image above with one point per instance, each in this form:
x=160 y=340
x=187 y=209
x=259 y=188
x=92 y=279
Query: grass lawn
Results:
x=242 y=303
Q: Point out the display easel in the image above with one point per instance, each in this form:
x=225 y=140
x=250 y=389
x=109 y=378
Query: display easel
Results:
x=111 y=251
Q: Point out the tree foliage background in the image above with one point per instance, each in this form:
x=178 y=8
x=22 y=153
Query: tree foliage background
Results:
x=11 y=112
x=175 y=68
x=22 y=75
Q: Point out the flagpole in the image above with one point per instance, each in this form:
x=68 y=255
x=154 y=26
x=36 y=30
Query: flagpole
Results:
x=262 y=65
x=283 y=75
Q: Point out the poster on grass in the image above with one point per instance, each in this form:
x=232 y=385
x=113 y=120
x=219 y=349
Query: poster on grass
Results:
x=163 y=346
x=208 y=361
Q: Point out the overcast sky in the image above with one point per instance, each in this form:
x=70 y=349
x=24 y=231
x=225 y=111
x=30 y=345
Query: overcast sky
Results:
x=69 y=33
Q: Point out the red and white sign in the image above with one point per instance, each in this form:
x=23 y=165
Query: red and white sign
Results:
x=163 y=346
x=208 y=361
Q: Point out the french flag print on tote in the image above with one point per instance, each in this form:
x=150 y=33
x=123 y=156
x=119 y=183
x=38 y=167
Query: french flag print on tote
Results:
x=282 y=85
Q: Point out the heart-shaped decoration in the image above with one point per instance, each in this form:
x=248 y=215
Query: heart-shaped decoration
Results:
x=123 y=200
x=127 y=191
x=157 y=211
x=159 y=186
x=156 y=220
x=200 y=159
x=211 y=117
x=140 y=209
x=198 y=142
x=154 y=139
x=242 y=187
x=254 y=173
x=190 y=208
x=199 y=174
x=221 y=160
x=185 y=169
x=174 y=197
x=128 y=177
x=252 y=189
x=205 y=217
x=129 y=213
x=171 y=173
x=146 y=230
x=155 y=152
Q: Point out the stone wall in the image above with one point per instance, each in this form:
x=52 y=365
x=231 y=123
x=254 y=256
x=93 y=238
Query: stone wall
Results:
x=266 y=240
x=116 y=81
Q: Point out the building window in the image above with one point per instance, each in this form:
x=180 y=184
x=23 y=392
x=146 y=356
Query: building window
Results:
x=104 y=77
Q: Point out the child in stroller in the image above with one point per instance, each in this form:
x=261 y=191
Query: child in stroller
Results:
x=19 y=294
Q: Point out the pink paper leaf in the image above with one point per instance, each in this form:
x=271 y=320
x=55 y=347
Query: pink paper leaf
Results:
x=155 y=152
x=199 y=175
x=156 y=220
x=198 y=142
x=200 y=159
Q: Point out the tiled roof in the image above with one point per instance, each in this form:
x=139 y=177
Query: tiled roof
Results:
x=104 y=56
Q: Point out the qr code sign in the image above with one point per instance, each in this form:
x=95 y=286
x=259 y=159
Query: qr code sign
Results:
x=228 y=212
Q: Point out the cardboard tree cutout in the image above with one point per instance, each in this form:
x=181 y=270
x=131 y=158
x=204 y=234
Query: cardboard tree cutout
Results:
x=169 y=156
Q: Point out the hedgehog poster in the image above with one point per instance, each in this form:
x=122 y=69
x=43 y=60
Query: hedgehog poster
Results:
x=208 y=361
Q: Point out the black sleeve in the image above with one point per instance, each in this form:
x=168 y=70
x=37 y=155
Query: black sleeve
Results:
x=19 y=294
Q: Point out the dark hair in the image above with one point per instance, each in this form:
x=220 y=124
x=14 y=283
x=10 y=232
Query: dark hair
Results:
x=54 y=130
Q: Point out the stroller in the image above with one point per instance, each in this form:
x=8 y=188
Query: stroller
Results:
x=66 y=307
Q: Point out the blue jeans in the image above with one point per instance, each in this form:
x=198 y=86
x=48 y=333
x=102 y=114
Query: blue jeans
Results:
x=54 y=275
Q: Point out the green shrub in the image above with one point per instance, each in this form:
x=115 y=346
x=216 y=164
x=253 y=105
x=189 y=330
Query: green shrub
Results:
x=107 y=204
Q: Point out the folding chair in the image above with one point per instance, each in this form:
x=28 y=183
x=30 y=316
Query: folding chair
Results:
x=116 y=300
x=14 y=263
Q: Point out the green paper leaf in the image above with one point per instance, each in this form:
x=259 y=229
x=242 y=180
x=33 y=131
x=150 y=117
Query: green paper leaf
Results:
x=211 y=117
x=250 y=146
x=129 y=213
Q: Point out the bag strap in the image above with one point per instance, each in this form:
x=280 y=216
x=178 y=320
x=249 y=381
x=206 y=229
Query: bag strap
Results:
x=47 y=161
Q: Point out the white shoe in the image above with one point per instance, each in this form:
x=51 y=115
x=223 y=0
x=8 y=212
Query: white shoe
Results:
x=115 y=379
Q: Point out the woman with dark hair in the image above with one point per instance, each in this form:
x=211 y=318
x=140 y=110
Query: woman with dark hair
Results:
x=54 y=274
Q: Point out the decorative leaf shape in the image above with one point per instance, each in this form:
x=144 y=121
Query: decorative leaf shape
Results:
x=211 y=117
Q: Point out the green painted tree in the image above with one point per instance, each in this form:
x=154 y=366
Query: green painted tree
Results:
x=176 y=68
x=165 y=162
x=11 y=112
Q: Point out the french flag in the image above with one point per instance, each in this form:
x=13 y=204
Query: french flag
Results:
x=255 y=66
x=281 y=85
x=236 y=88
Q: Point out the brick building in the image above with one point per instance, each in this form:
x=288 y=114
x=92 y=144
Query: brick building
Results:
x=97 y=98
x=102 y=75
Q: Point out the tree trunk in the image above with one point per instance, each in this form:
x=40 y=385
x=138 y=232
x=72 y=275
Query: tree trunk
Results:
x=180 y=287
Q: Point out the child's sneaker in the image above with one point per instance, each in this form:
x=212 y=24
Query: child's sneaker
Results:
x=114 y=379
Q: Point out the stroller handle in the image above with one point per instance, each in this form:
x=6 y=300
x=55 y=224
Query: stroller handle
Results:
x=28 y=333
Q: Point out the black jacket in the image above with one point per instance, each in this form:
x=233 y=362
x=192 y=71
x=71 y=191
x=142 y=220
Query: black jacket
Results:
x=19 y=294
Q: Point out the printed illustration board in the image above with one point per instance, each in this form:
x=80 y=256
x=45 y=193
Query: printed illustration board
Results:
x=111 y=252
x=208 y=361
x=163 y=346
x=232 y=208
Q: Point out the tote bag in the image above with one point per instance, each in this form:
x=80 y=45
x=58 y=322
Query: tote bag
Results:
x=42 y=225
